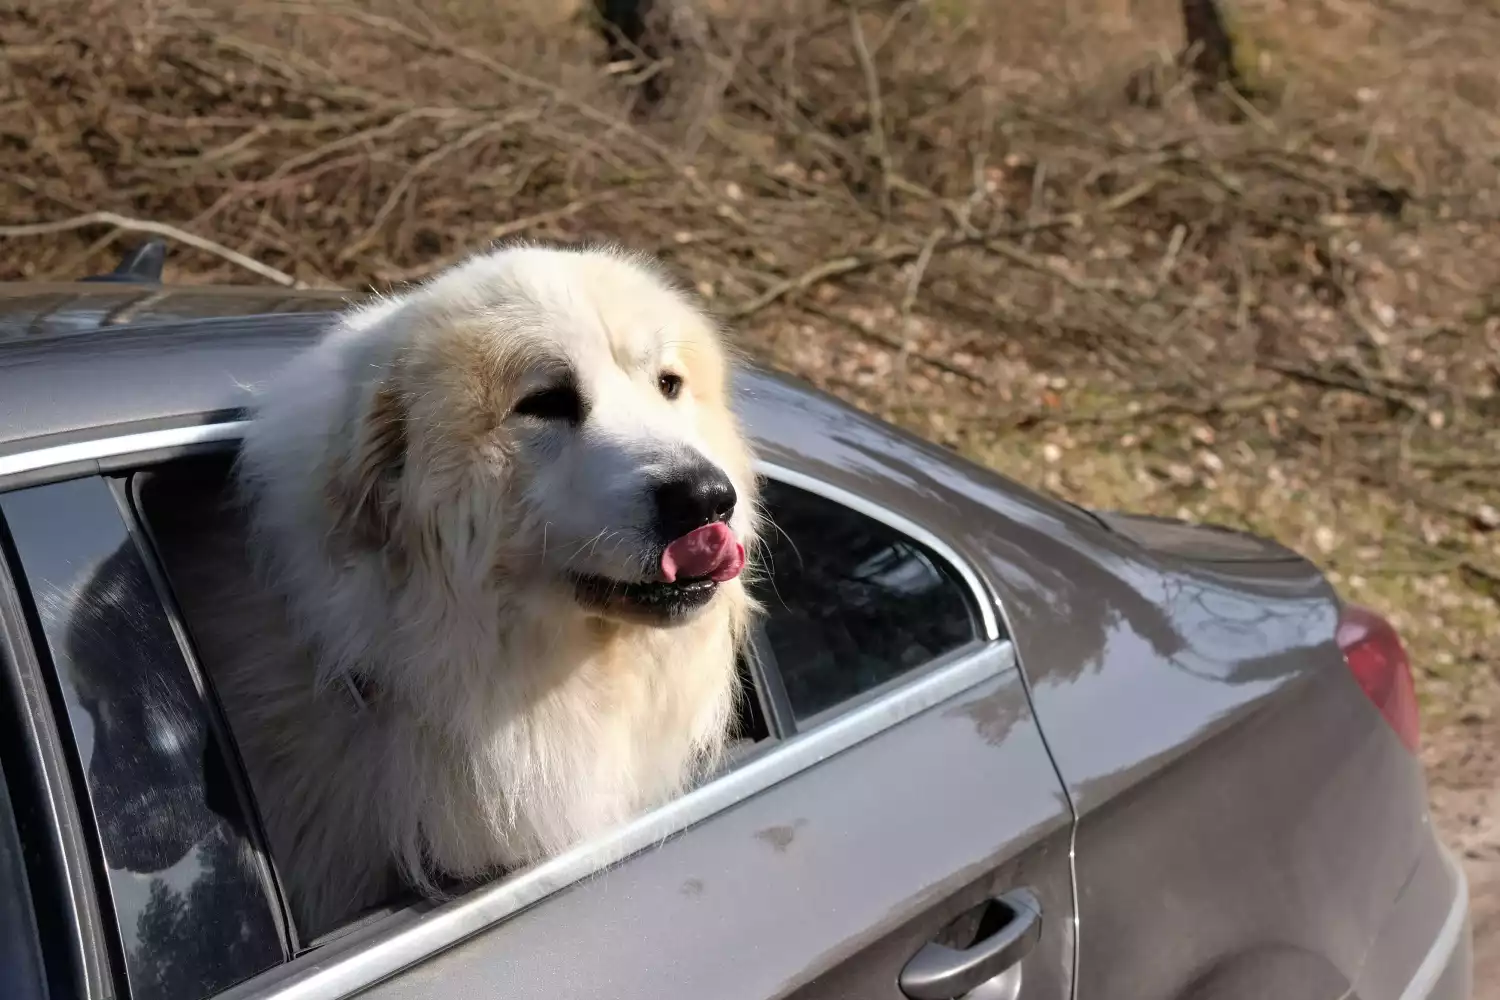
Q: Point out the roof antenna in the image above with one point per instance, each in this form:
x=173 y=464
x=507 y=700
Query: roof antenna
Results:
x=141 y=266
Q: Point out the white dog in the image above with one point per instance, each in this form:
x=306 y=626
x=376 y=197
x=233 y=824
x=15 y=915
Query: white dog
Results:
x=501 y=522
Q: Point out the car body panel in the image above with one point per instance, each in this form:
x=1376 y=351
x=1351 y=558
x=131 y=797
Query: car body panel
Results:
x=59 y=309
x=1228 y=777
x=822 y=886
x=1184 y=679
x=1427 y=930
x=1199 y=543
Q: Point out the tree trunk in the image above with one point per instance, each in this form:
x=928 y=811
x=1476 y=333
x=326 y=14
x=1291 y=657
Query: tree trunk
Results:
x=1210 y=49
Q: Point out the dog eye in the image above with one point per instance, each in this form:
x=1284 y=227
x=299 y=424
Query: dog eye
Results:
x=560 y=402
x=670 y=384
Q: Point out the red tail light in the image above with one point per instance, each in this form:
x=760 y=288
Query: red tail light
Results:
x=1378 y=661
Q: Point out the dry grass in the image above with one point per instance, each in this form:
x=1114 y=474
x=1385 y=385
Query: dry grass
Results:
x=1280 y=312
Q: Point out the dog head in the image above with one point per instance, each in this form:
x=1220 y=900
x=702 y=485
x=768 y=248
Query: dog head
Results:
x=552 y=418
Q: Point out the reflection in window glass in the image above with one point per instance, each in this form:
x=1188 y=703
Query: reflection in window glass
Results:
x=850 y=602
x=195 y=910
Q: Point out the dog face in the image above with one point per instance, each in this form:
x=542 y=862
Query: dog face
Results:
x=557 y=417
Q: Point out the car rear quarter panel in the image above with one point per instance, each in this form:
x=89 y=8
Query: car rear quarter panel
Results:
x=1235 y=789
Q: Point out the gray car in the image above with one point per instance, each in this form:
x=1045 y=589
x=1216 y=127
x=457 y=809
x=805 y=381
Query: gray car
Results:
x=999 y=747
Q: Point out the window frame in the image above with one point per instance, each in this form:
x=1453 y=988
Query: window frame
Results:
x=350 y=960
x=65 y=874
x=126 y=490
x=986 y=626
x=60 y=866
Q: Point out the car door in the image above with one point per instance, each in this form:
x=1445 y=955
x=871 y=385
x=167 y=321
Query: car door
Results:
x=897 y=830
x=910 y=801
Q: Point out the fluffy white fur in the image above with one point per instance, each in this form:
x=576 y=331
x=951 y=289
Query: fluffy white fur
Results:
x=414 y=532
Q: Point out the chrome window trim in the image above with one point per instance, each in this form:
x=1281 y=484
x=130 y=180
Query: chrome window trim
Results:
x=127 y=498
x=408 y=937
x=119 y=446
x=69 y=836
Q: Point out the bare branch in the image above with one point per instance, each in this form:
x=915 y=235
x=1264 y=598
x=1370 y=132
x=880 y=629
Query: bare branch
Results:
x=156 y=229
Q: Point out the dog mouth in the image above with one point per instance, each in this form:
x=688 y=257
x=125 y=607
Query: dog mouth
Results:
x=692 y=569
x=653 y=600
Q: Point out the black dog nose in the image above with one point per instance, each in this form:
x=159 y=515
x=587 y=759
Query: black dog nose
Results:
x=692 y=498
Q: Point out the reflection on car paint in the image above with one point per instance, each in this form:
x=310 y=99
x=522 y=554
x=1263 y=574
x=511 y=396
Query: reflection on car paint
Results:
x=194 y=913
x=1080 y=603
x=993 y=715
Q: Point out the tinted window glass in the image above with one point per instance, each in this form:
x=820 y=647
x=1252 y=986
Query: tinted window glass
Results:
x=850 y=602
x=20 y=948
x=192 y=898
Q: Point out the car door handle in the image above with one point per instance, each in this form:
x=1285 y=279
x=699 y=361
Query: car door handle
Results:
x=939 y=972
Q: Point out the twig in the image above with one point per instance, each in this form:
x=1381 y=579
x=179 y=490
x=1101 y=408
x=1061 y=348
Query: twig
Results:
x=901 y=347
x=876 y=109
x=37 y=190
x=838 y=267
x=1038 y=191
x=155 y=229
x=1375 y=338
x=508 y=73
x=236 y=145
x=1030 y=261
x=1329 y=380
x=901 y=253
x=1230 y=403
x=1447 y=464
x=503 y=231
x=924 y=257
x=391 y=125
x=1247 y=109
x=470 y=137
x=1169 y=258
x=1129 y=196
x=711 y=101
x=821 y=272
x=1480 y=577
x=893 y=22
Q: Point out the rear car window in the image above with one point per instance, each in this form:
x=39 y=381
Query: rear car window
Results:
x=190 y=892
x=850 y=602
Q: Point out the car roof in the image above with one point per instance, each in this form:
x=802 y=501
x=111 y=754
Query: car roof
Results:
x=84 y=361
x=32 y=310
x=84 y=358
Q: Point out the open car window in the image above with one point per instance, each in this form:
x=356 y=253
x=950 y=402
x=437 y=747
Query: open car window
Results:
x=852 y=606
x=851 y=603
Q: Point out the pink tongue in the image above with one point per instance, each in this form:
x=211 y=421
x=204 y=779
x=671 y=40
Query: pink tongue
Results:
x=710 y=551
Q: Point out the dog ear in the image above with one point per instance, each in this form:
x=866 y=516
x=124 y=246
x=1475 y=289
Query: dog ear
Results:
x=363 y=491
